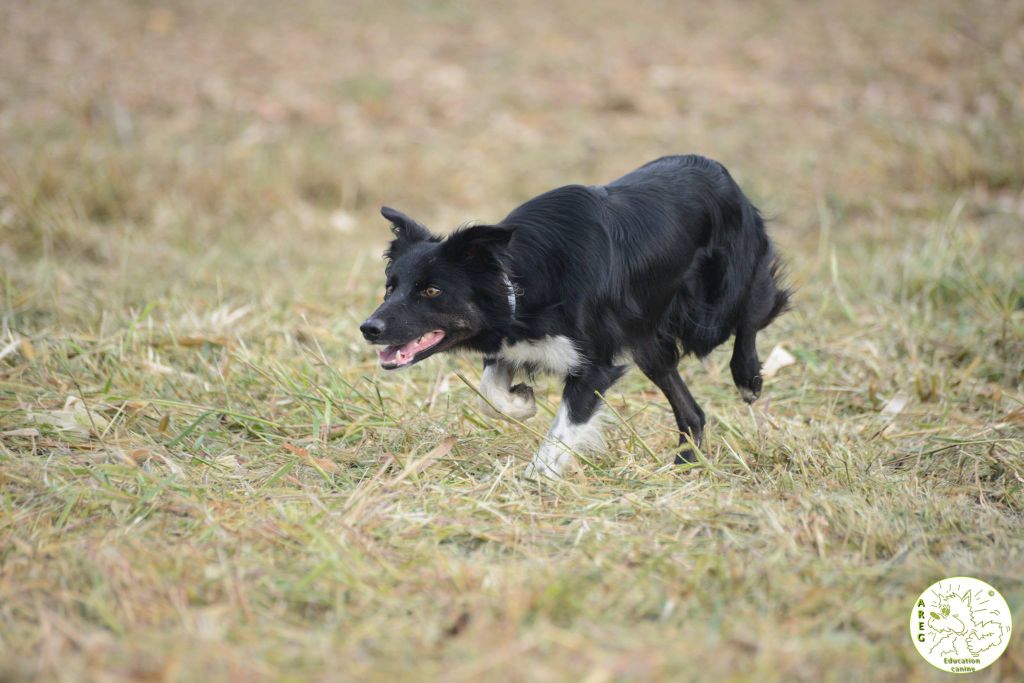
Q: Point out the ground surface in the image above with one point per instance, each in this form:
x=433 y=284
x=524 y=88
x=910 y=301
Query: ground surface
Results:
x=204 y=476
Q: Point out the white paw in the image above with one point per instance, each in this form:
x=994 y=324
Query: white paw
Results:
x=537 y=471
x=549 y=463
x=518 y=404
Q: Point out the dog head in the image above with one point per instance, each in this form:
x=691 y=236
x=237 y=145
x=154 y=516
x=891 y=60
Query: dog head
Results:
x=438 y=292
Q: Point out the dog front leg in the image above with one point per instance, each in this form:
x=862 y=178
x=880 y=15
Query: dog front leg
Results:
x=516 y=402
x=577 y=425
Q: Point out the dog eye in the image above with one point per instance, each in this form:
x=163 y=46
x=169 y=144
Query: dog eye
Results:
x=431 y=292
x=387 y=291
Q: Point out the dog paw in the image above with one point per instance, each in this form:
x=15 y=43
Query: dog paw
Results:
x=751 y=393
x=549 y=463
x=524 y=391
x=487 y=409
x=518 y=403
x=538 y=471
x=523 y=404
x=685 y=454
x=685 y=457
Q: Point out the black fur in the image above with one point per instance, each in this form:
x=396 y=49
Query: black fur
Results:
x=670 y=258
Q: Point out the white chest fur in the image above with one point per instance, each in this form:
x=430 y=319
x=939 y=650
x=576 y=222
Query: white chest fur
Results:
x=555 y=354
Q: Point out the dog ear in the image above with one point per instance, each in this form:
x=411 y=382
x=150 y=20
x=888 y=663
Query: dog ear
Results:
x=404 y=228
x=478 y=241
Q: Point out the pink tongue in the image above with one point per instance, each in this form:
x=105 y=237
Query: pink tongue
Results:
x=402 y=355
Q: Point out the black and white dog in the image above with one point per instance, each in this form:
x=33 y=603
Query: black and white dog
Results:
x=670 y=258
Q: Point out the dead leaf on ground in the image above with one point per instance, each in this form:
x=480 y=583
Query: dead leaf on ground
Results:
x=437 y=452
x=10 y=349
x=895 y=405
x=140 y=455
x=74 y=418
x=323 y=463
x=159 y=368
x=27 y=431
x=201 y=341
x=327 y=465
x=777 y=359
x=27 y=350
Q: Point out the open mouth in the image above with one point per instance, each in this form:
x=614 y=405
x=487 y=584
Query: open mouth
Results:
x=396 y=356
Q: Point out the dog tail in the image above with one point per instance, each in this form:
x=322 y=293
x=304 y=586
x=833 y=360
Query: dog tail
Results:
x=783 y=297
x=735 y=280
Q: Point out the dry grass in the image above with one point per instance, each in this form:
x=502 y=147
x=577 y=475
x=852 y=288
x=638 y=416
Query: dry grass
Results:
x=188 y=208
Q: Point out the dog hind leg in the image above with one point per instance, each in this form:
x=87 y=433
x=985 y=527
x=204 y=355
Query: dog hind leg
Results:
x=659 y=364
x=745 y=365
x=765 y=301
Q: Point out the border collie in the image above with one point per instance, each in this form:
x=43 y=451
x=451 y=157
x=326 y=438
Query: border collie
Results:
x=670 y=259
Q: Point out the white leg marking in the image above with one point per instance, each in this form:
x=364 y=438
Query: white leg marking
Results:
x=552 y=457
x=494 y=385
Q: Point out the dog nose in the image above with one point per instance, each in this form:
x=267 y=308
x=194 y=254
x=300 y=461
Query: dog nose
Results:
x=372 y=329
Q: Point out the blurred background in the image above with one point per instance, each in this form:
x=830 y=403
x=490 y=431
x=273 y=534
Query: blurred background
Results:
x=201 y=466
x=166 y=134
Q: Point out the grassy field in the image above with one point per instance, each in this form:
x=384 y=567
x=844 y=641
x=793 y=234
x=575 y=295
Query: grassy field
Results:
x=204 y=476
